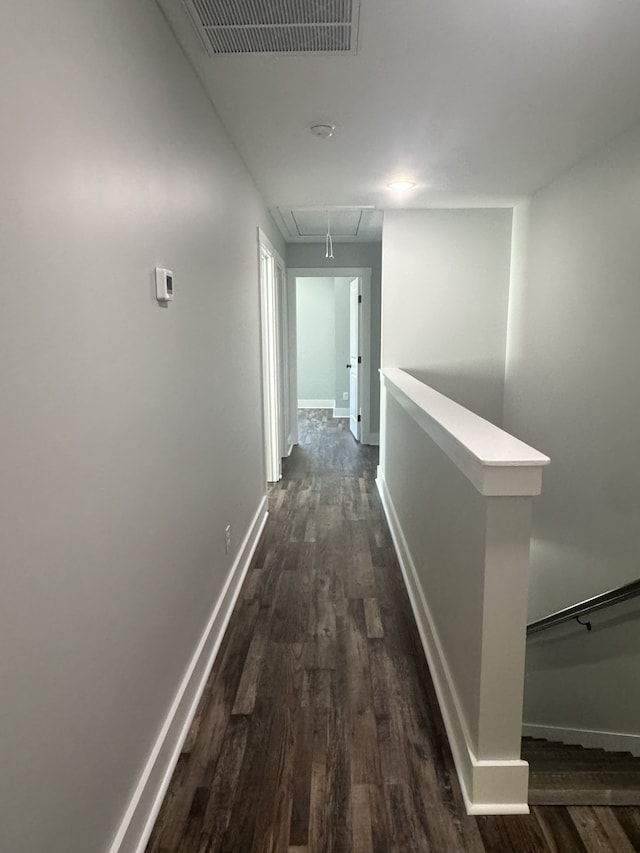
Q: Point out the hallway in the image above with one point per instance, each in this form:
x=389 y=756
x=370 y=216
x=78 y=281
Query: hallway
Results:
x=319 y=729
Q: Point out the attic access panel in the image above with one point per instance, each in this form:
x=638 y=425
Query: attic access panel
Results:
x=276 y=26
x=348 y=224
x=314 y=223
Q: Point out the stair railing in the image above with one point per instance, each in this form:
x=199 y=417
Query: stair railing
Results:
x=583 y=608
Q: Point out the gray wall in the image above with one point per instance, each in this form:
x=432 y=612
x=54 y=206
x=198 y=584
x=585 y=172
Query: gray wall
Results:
x=444 y=301
x=316 y=338
x=119 y=467
x=571 y=391
x=311 y=255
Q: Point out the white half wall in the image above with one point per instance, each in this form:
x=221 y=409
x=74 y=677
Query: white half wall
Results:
x=571 y=389
x=131 y=433
x=457 y=495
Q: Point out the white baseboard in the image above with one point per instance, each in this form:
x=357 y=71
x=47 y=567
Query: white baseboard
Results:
x=341 y=413
x=316 y=404
x=611 y=741
x=488 y=786
x=140 y=816
x=371 y=438
x=292 y=440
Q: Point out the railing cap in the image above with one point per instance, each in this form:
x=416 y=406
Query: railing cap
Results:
x=494 y=461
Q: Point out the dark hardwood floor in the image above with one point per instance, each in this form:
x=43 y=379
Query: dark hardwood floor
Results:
x=319 y=729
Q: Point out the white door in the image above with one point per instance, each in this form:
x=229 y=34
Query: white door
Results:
x=354 y=358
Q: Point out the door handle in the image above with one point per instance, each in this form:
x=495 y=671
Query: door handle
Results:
x=349 y=366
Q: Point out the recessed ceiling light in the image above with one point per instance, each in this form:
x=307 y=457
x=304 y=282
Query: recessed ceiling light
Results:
x=324 y=131
x=401 y=186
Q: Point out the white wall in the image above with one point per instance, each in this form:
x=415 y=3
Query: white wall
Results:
x=119 y=467
x=571 y=390
x=311 y=255
x=316 y=338
x=444 y=301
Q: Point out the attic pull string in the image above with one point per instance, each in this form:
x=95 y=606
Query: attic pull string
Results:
x=329 y=244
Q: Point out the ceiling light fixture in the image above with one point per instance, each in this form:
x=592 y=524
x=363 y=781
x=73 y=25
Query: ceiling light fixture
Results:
x=401 y=186
x=323 y=131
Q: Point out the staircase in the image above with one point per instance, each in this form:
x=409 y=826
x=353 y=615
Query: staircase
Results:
x=564 y=774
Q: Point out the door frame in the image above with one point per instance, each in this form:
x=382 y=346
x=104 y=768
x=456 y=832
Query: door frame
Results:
x=272 y=278
x=364 y=375
x=355 y=356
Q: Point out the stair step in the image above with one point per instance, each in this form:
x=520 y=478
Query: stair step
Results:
x=582 y=764
x=568 y=774
x=597 y=789
x=555 y=752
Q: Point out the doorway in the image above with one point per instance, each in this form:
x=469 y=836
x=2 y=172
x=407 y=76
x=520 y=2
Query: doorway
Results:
x=350 y=393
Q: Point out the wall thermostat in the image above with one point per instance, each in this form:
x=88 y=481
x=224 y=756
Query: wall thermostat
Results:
x=164 y=285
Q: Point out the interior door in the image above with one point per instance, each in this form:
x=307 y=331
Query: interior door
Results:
x=354 y=358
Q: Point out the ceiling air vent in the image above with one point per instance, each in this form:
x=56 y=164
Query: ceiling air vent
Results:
x=276 y=26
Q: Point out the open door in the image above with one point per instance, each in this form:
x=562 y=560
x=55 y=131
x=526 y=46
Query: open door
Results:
x=355 y=359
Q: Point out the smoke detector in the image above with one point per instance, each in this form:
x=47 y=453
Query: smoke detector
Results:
x=324 y=131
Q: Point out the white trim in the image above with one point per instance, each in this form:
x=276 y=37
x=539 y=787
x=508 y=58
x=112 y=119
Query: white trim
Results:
x=488 y=786
x=495 y=462
x=316 y=404
x=272 y=326
x=283 y=347
x=340 y=413
x=292 y=356
x=137 y=824
x=611 y=741
x=364 y=374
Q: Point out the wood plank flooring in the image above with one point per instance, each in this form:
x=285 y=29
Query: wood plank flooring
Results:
x=319 y=730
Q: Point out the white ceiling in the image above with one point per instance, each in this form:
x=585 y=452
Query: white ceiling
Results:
x=480 y=102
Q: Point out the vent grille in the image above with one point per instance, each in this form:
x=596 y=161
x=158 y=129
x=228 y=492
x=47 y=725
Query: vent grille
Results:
x=276 y=26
